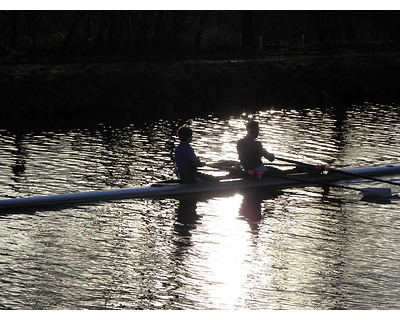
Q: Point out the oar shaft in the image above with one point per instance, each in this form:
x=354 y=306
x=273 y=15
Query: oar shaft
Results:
x=341 y=171
x=294 y=162
x=364 y=177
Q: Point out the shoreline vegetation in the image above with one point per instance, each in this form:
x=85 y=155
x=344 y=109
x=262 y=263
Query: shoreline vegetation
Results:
x=148 y=88
x=139 y=65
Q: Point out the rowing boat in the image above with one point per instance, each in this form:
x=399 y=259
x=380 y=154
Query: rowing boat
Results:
x=173 y=190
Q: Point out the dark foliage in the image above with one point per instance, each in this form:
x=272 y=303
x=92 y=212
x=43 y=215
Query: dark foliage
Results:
x=189 y=33
x=59 y=65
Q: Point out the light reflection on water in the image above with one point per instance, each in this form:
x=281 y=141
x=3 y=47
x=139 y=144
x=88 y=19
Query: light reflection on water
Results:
x=293 y=249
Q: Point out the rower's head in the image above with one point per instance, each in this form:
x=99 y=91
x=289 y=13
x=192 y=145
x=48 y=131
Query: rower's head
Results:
x=185 y=134
x=253 y=129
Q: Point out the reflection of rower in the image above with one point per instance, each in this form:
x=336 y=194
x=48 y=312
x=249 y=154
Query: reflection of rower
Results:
x=251 y=208
x=186 y=212
x=185 y=223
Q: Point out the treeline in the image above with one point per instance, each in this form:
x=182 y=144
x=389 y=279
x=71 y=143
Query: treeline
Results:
x=193 y=32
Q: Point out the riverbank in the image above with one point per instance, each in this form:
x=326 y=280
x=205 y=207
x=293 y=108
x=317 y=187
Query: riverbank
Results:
x=35 y=92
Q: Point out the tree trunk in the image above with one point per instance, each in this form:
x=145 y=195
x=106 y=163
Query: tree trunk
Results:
x=32 y=20
x=159 y=29
x=100 y=31
x=348 y=25
x=14 y=21
x=247 y=17
x=199 y=35
x=177 y=26
x=78 y=15
x=142 y=40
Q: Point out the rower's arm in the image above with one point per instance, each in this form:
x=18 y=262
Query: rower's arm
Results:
x=201 y=164
x=195 y=160
x=270 y=156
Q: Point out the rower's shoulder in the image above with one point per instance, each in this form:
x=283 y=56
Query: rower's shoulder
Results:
x=184 y=149
x=243 y=140
x=183 y=145
x=247 y=140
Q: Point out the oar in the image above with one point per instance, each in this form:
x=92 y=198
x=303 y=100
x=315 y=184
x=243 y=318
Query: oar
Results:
x=232 y=165
x=367 y=192
x=340 y=171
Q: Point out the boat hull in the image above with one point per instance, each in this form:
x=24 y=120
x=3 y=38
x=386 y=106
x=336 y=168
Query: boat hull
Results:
x=169 y=190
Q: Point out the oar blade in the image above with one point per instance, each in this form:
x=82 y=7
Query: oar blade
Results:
x=377 y=192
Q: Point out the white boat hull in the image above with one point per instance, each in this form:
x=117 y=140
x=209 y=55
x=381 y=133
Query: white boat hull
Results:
x=176 y=190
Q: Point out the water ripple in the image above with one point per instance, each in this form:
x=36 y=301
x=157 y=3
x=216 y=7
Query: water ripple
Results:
x=296 y=249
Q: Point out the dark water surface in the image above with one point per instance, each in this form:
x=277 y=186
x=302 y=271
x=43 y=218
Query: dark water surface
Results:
x=295 y=249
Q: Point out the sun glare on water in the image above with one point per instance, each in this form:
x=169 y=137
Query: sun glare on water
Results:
x=225 y=251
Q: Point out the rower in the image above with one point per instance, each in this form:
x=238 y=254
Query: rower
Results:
x=186 y=159
x=251 y=152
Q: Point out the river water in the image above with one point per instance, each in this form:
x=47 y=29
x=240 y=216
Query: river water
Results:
x=302 y=248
